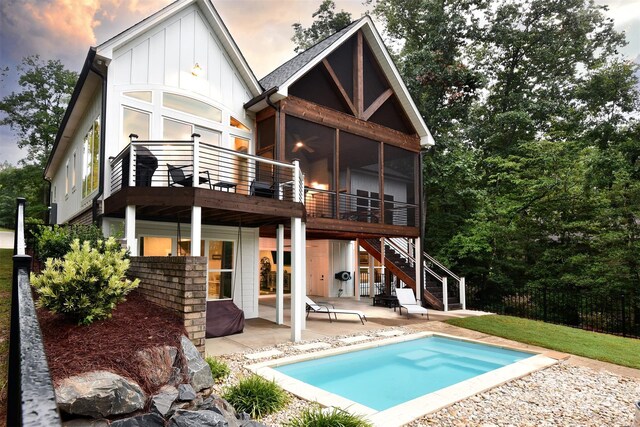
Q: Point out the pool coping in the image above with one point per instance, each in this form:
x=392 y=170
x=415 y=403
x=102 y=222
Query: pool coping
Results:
x=408 y=411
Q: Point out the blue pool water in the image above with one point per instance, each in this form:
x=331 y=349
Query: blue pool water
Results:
x=383 y=377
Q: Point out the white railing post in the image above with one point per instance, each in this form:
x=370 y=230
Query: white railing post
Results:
x=445 y=294
x=132 y=177
x=195 y=137
x=463 y=293
x=296 y=182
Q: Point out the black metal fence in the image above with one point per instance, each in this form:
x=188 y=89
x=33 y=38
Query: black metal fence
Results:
x=31 y=399
x=607 y=312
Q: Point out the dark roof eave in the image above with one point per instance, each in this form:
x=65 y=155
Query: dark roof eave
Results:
x=86 y=68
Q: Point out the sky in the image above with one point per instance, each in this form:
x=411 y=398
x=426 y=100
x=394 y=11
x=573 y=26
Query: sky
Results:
x=65 y=29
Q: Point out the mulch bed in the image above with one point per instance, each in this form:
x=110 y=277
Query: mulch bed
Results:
x=136 y=324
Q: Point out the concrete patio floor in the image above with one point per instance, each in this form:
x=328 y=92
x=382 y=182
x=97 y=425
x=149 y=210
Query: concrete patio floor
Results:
x=264 y=332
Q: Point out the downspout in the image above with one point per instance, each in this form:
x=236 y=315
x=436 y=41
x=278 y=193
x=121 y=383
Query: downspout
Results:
x=103 y=121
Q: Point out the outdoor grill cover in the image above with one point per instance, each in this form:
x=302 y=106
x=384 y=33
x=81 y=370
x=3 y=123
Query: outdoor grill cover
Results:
x=223 y=318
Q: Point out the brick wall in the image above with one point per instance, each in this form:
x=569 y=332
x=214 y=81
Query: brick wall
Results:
x=178 y=283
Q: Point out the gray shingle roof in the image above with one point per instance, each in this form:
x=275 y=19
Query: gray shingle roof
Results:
x=289 y=68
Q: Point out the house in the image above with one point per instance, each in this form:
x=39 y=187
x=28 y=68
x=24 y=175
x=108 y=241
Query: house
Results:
x=170 y=139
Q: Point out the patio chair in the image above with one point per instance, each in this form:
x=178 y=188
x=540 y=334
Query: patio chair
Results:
x=312 y=307
x=176 y=174
x=407 y=300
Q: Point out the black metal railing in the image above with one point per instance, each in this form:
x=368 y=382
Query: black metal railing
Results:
x=174 y=164
x=607 y=312
x=352 y=207
x=31 y=399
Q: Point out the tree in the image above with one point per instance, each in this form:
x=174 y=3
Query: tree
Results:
x=327 y=22
x=36 y=111
x=27 y=182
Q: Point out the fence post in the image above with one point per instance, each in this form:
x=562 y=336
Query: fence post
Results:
x=544 y=303
x=624 y=322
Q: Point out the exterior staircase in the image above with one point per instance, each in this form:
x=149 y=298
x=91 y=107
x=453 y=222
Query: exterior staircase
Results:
x=441 y=284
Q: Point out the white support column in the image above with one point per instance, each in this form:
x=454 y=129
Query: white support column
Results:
x=417 y=258
x=372 y=276
x=445 y=294
x=383 y=270
x=196 y=229
x=130 y=229
x=297 y=262
x=196 y=163
x=356 y=266
x=463 y=293
x=280 y=275
x=303 y=244
x=297 y=282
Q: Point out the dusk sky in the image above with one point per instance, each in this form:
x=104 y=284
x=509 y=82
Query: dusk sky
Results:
x=65 y=29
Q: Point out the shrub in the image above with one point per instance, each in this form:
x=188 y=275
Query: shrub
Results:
x=256 y=396
x=87 y=283
x=56 y=242
x=219 y=369
x=318 y=417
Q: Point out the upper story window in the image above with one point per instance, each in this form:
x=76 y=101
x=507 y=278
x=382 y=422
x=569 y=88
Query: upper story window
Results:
x=73 y=173
x=191 y=106
x=136 y=122
x=142 y=95
x=66 y=179
x=233 y=122
x=91 y=162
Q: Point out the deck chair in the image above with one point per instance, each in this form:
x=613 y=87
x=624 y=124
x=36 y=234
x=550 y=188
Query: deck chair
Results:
x=176 y=174
x=329 y=309
x=407 y=300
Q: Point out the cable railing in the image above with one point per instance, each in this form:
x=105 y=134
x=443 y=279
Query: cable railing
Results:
x=203 y=165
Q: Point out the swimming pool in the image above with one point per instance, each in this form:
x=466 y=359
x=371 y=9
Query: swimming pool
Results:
x=394 y=381
x=386 y=376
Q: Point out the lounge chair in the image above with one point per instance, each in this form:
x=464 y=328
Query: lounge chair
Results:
x=407 y=300
x=329 y=309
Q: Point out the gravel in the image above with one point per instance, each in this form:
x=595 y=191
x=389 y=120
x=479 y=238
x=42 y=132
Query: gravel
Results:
x=562 y=395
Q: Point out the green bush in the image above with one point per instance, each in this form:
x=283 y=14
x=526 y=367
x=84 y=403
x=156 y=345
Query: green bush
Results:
x=256 y=396
x=219 y=369
x=56 y=242
x=87 y=283
x=317 y=417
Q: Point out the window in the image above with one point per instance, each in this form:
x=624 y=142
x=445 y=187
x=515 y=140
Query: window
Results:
x=237 y=124
x=136 y=122
x=54 y=197
x=66 y=180
x=73 y=173
x=143 y=95
x=220 y=269
x=191 y=106
x=91 y=156
x=155 y=246
x=173 y=130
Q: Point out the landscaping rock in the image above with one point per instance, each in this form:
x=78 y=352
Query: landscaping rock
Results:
x=199 y=371
x=252 y=423
x=197 y=418
x=161 y=402
x=222 y=407
x=99 y=394
x=156 y=364
x=176 y=377
x=186 y=392
x=145 y=420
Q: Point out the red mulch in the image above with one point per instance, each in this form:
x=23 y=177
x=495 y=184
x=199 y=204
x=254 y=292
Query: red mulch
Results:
x=110 y=344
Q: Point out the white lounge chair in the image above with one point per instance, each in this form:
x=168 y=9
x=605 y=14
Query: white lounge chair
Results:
x=407 y=300
x=329 y=309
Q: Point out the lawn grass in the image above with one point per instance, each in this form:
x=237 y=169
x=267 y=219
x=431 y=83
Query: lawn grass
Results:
x=6 y=272
x=607 y=348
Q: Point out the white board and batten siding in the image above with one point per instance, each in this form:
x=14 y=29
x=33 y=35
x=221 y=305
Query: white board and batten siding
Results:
x=162 y=59
x=166 y=54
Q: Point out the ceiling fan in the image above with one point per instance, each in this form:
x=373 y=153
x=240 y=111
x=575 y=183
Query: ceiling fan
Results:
x=303 y=144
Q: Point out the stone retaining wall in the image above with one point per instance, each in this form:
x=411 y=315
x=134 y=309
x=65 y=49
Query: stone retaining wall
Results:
x=177 y=283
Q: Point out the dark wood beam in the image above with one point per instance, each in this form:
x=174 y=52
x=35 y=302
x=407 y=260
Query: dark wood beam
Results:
x=343 y=92
x=377 y=104
x=318 y=114
x=358 y=76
